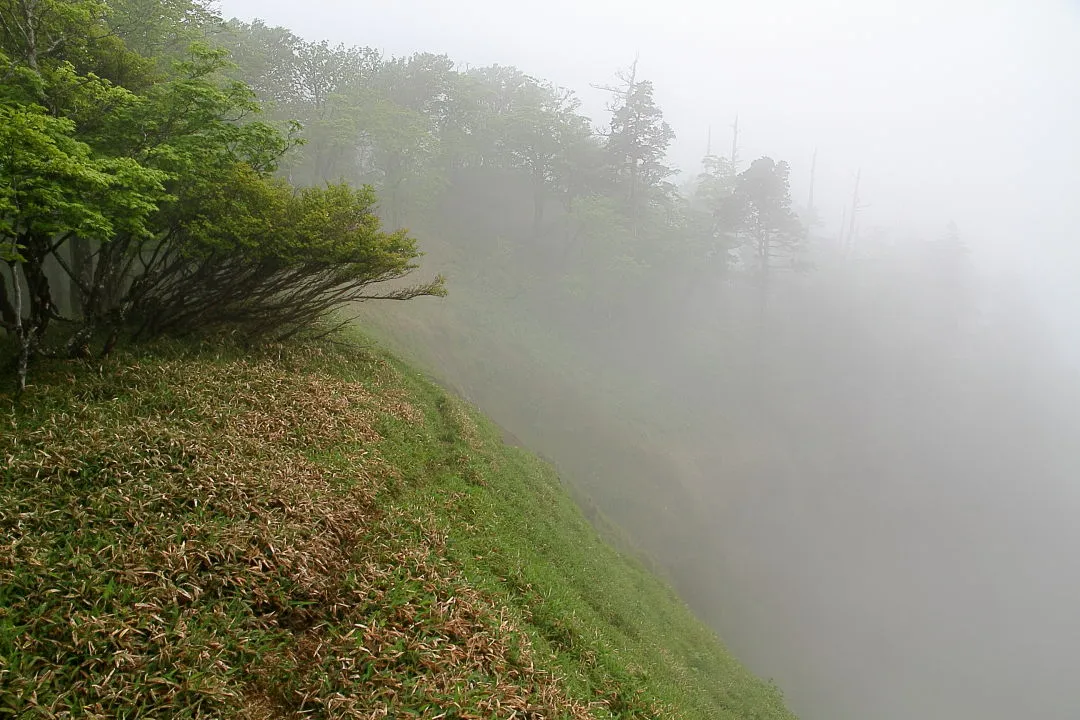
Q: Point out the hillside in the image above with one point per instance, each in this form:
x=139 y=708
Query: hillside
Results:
x=317 y=531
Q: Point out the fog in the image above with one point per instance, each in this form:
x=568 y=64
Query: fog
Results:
x=950 y=107
x=867 y=482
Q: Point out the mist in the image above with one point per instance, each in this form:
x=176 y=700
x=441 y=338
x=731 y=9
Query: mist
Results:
x=950 y=108
x=863 y=476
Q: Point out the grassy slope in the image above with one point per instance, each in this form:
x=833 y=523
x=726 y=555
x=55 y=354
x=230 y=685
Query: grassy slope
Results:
x=316 y=531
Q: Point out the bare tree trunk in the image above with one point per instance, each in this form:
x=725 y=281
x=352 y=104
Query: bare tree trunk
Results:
x=630 y=87
x=855 y=207
x=30 y=33
x=735 y=148
x=21 y=334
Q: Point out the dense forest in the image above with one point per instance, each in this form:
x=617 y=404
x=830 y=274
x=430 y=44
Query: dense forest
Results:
x=484 y=148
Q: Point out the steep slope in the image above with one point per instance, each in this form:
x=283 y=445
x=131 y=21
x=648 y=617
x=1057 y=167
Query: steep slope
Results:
x=316 y=531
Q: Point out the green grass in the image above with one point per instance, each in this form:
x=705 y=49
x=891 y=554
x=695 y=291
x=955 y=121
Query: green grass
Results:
x=315 y=531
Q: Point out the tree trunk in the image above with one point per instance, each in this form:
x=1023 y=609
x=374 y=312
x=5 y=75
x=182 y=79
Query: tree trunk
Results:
x=30 y=33
x=42 y=309
x=21 y=335
x=82 y=268
x=7 y=310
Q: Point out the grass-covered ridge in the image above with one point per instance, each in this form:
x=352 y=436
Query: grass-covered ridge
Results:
x=315 y=531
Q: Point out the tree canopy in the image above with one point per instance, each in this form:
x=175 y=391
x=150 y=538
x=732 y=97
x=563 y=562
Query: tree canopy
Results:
x=426 y=132
x=139 y=186
x=161 y=160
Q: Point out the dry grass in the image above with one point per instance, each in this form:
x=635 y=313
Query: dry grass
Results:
x=316 y=532
x=193 y=537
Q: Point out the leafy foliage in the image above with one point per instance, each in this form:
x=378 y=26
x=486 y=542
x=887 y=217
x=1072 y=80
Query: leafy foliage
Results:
x=638 y=140
x=154 y=207
x=761 y=211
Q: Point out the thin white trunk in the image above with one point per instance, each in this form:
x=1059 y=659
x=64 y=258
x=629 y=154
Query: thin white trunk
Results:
x=20 y=329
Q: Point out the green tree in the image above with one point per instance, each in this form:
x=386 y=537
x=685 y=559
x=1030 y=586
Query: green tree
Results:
x=145 y=37
x=265 y=59
x=423 y=82
x=272 y=261
x=52 y=189
x=539 y=128
x=312 y=83
x=761 y=214
x=637 y=142
x=581 y=161
x=37 y=33
x=715 y=206
x=396 y=149
x=478 y=102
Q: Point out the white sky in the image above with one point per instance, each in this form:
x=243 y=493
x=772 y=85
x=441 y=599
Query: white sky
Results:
x=955 y=109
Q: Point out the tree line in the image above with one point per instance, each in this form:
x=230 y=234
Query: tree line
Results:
x=163 y=170
x=140 y=191
x=607 y=214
